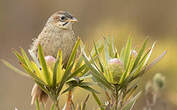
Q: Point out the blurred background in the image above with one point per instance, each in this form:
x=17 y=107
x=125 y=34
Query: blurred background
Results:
x=22 y=20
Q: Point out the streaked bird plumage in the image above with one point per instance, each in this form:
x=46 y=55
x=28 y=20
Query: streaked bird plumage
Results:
x=57 y=34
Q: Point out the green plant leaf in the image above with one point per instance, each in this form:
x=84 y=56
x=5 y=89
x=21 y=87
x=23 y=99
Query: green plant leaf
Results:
x=114 y=50
x=59 y=70
x=68 y=89
x=85 y=101
x=127 y=52
x=129 y=93
x=130 y=104
x=94 y=65
x=145 y=69
x=37 y=104
x=123 y=76
x=33 y=75
x=26 y=59
x=14 y=68
x=140 y=54
x=85 y=77
x=34 y=58
x=122 y=54
x=126 y=59
x=97 y=100
x=99 y=61
x=77 y=71
x=37 y=71
x=143 y=61
x=106 y=51
x=20 y=58
x=55 y=69
x=148 y=56
x=73 y=54
x=65 y=76
x=79 y=62
x=141 y=64
x=44 y=65
x=100 y=48
x=88 y=88
x=42 y=86
x=96 y=74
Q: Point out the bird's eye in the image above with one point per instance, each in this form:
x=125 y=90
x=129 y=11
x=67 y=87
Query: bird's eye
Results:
x=63 y=18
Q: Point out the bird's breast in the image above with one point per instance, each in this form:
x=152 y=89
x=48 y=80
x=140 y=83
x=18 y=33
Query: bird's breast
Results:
x=54 y=41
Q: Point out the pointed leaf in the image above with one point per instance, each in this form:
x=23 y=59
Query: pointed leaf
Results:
x=14 y=68
x=99 y=61
x=42 y=87
x=97 y=100
x=55 y=72
x=122 y=54
x=156 y=60
x=20 y=58
x=68 y=89
x=127 y=52
x=34 y=58
x=77 y=71
x=44 y=65
x=65 y=76
x=85 y=101
x=130 y=104
x=33 y=75
x=88 y=89
x=26 y=59
x=73 y=54
x=106 y=51
x=37 y=71
x=140 y=54
x=96 y=74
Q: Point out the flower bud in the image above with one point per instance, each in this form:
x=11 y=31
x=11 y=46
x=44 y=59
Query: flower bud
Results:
x=50 y=60
x=158 y=81
x=115 y=66
x=37 y=93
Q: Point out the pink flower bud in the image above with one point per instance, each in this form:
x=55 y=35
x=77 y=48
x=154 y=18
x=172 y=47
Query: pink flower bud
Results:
x=50 y=60
x=114 y=61
x=115 y=66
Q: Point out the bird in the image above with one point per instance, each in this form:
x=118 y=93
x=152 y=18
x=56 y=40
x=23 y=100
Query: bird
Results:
x=56 y=34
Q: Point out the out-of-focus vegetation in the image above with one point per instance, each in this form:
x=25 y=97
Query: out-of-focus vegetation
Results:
x=22 y=20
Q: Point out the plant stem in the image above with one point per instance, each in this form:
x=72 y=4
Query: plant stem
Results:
x=116 y=98
x=68 y=106
x=57 y=105
x=52 y=106
x=43 y=106
x=37 y=104
x=116 y=106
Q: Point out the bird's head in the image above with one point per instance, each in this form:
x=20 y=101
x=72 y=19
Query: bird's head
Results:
x=62 y=19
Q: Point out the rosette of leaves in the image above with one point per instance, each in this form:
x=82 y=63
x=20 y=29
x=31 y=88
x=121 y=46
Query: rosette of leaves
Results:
x=52 y=78
x=115 y=72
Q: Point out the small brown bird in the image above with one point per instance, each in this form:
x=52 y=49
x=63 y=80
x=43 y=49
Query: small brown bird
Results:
x=57 y=34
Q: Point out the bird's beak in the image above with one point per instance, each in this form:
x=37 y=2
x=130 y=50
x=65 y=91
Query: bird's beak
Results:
x=73 y=20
